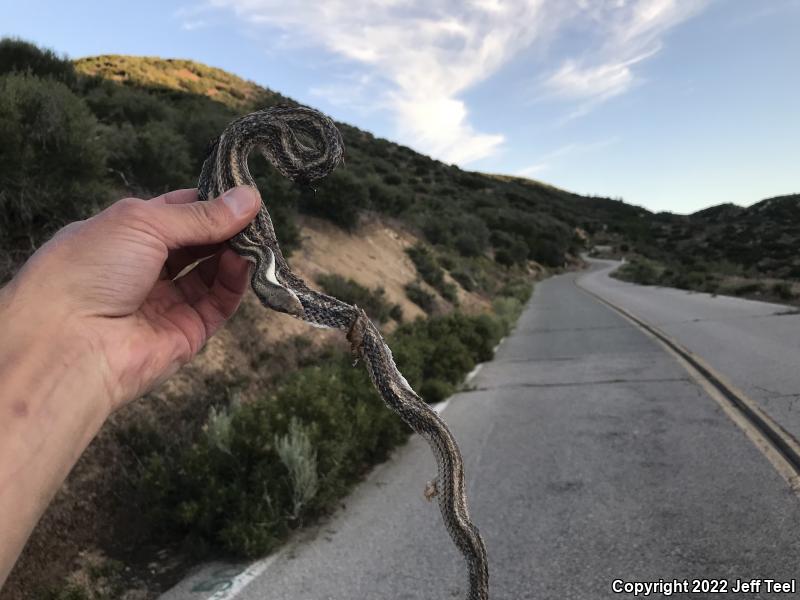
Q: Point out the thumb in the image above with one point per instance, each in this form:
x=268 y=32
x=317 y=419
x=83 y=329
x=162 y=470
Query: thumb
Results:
x=207 y=222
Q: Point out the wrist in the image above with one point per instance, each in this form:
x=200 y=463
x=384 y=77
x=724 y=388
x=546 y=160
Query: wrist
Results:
x=51 y=406
x=51 y=353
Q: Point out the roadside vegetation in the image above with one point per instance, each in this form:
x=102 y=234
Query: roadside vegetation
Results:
x=713 y=279
x=373 y=301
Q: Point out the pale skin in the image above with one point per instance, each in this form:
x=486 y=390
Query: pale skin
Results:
x=95 y=319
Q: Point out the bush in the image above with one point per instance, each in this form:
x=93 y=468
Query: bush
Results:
x=17 y=56
x=396 y=313
x=420 y=297
x=640 y=271
x=749 y=288
x=548 y=253
x=258 y=470
x=339 y=197
x=391 y=200
x=393 y=179
x=463 y=278
x=159 y=160
x=372 y=301
x=783 y=290
x=52 y=162
x=431 y=273
x=471 y=235
x=426 y=265
x=509 y=248
x=435 y=354
x=519 y=289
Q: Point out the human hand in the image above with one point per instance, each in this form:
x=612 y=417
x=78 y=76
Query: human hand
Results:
x=106 y=287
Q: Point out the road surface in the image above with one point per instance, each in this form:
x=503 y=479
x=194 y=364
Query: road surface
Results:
x=591 y=456
x=755 y=344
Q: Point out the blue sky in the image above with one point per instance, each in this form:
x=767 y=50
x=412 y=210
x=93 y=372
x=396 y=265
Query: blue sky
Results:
x=670 y=104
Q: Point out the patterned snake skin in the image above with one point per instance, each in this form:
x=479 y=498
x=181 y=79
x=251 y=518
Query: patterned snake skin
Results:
x=304 y=145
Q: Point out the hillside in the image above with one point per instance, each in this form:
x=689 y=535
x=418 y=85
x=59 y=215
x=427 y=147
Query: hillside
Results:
x=725 y=249
x=761 y=239
x=153 y=118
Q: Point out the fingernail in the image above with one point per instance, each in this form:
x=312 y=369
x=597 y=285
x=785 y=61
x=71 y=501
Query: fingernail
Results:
x=240 y=200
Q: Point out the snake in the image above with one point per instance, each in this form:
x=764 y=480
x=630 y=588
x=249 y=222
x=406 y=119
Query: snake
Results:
x=305 y=145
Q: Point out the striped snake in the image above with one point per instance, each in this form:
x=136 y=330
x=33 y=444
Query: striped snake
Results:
x=304 y=145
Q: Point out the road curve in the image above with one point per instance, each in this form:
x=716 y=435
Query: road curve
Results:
x=591 y=456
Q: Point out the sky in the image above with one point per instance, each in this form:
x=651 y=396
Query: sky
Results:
x=672 y=105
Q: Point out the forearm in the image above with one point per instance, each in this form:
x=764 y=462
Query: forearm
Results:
x=52 y=403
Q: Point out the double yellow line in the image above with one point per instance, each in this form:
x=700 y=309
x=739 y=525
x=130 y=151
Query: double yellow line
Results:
x=777 y=444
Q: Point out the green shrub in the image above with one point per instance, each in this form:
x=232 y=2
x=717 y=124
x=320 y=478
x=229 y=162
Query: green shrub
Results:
x=300 y=459
x=693 y=280
x=393 y=179
x=783 y=290
x=396 y=313
x=548 y=252
x=373 y=302
x=640 y=271
x=436 y=390
x=420 y=297
x=510 y=249
x=18 y=56
x=112 y=103
x=52 y=162
x=426 y=265
x=507 y=310
x=159 y=160
x=519 y=289
x=471 y=235
x=436 y=353
x=388 y=199
x=338 y=197
x=260 y=469
x=463 y=278
x=746 y=289
x=431 y=273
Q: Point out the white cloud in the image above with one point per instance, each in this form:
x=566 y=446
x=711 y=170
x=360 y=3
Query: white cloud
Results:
x=629 y=31
x=421 y=55
x=192 y=25
x=416 y=58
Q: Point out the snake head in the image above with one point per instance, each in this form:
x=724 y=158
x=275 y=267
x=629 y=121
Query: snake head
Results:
x=271 y=292
x=283 y=300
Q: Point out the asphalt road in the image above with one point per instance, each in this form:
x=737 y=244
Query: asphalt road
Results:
x=591 y=457
x=755 y=344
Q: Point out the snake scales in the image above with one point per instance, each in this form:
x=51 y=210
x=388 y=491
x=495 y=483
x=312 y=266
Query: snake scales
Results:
x=305 y=145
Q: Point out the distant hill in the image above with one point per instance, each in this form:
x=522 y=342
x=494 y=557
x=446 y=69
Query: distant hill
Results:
x=760 y=240
x=520 y=218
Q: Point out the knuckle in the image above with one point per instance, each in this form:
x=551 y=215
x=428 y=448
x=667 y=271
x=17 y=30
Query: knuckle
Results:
x=209 y=217
x=130 y=209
